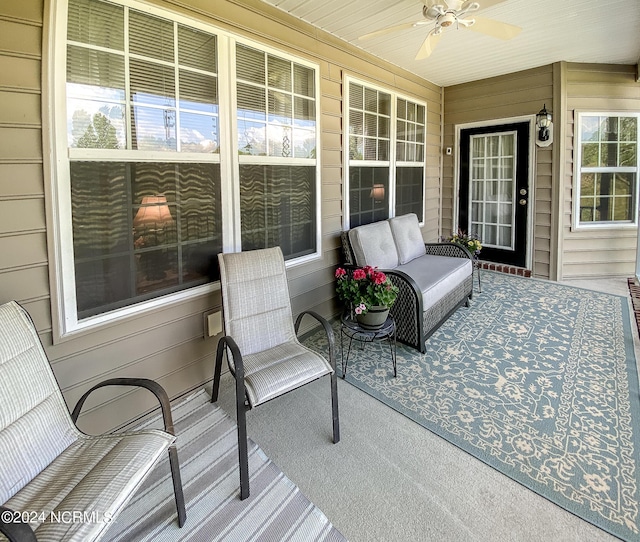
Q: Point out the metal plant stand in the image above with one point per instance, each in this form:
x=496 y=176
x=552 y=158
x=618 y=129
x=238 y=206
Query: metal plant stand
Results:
x=352 y=330
x=476 y=269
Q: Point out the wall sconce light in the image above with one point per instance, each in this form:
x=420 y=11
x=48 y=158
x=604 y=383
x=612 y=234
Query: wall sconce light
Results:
x=377 y=192
x=544 y=133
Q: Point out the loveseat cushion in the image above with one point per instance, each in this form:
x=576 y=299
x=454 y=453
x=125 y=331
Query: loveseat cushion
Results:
x=408 y=237
x=437 y=276
x=373 y=245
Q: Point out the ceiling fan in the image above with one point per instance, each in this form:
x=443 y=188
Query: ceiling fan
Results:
x=444 y=14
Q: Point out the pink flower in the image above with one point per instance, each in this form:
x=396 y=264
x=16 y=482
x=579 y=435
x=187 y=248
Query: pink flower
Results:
x=359 y=274
x=358 y=310
x=369 y=270
x=379 y=278
x=340 y=272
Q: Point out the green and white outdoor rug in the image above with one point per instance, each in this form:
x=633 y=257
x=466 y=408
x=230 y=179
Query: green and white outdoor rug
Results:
x=208 y=453
x=536 y=379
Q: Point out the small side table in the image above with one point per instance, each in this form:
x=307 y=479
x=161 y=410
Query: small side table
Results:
x=353 y=331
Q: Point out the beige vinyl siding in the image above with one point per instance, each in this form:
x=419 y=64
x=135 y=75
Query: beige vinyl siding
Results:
x=609 y=251
x=23 y=266
x=509 y=96
x=166 y=344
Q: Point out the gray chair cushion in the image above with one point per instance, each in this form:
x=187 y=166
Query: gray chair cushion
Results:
x=257 y=315
x=373 y=245
x=48 y=465
x=278 y=370
x=95 y=473
x=408 y=237
x=35 y=426
x=437 y=276
x=255 y=296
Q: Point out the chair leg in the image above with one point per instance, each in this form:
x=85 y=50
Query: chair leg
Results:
x=217 y=371
x=177 y=485
x=334 y=408
x=243 y=457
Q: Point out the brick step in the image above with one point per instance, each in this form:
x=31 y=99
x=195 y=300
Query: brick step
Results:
x=503 y=268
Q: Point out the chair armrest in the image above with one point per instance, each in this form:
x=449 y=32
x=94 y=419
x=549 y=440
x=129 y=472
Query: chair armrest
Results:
x=448 y=249
x=146 y=383
x=12 y=526
x=327 y=329
x=238 y=364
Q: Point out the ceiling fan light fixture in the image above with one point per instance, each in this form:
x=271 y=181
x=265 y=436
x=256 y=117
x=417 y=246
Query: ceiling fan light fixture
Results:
x=442 y=14
x=432 y=12
x=447 y=20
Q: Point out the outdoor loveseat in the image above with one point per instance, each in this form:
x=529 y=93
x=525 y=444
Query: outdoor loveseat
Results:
x=57 y=483
x=434 y=279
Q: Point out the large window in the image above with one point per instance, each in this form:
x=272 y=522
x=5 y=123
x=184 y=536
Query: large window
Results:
x=386 y=155
x=162 y=137
x=277 y=150
x=607 y=169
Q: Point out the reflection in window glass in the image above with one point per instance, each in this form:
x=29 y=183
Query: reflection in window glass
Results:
x=141 y=228
x=142 y=89
x=277 y=205
x=609 y=168
x=133 y=238
x=368 y=195
x=370 y=123
x=409 y=190
x=274 y=100
x=276 y=120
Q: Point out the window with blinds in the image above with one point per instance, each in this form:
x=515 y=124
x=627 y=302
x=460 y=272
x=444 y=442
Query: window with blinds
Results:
x=608 y=168
x=145 y=153
x=410 y=157
x=277 y=142
x=386 y=155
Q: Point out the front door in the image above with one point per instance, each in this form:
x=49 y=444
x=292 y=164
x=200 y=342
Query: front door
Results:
x=494 y=190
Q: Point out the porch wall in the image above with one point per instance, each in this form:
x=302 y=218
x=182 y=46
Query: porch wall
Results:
x=514 y=95
x=168 y=344
x=602 y=252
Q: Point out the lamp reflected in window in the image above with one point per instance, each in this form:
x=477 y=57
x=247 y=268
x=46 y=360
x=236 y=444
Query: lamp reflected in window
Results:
x=153 y=213
x=377 y=193
x=150 y=224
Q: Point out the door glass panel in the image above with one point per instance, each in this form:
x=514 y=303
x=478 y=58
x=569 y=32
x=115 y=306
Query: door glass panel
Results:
x=492 y=188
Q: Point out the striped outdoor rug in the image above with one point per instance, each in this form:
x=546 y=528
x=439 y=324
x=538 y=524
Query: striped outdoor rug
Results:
x=208 y=454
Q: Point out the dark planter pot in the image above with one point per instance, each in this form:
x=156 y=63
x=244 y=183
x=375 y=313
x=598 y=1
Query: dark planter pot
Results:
x=374 y=318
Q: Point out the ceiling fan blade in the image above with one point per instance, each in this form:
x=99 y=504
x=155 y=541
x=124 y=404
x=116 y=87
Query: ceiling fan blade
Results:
x=428 y=45
x=496 y=29
x=484 y=4
x=390 y=29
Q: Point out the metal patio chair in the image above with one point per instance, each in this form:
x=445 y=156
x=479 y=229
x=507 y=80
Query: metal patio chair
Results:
x=266 y=358
x=49 y=468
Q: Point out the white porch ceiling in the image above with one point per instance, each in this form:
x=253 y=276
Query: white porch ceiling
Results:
x=605 y=31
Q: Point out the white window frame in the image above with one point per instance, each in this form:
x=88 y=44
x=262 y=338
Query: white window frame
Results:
x=576 y=224
x=514 y=194
x=66 y=324
x=392 y=163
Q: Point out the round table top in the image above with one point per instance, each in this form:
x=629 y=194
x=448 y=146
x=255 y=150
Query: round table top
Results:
x=351 y=326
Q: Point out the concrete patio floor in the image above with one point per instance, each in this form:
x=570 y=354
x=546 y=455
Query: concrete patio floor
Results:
x=389 y=479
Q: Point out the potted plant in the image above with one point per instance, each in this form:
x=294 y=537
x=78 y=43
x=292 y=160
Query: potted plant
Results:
x=368 y=292
x=469 y=241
